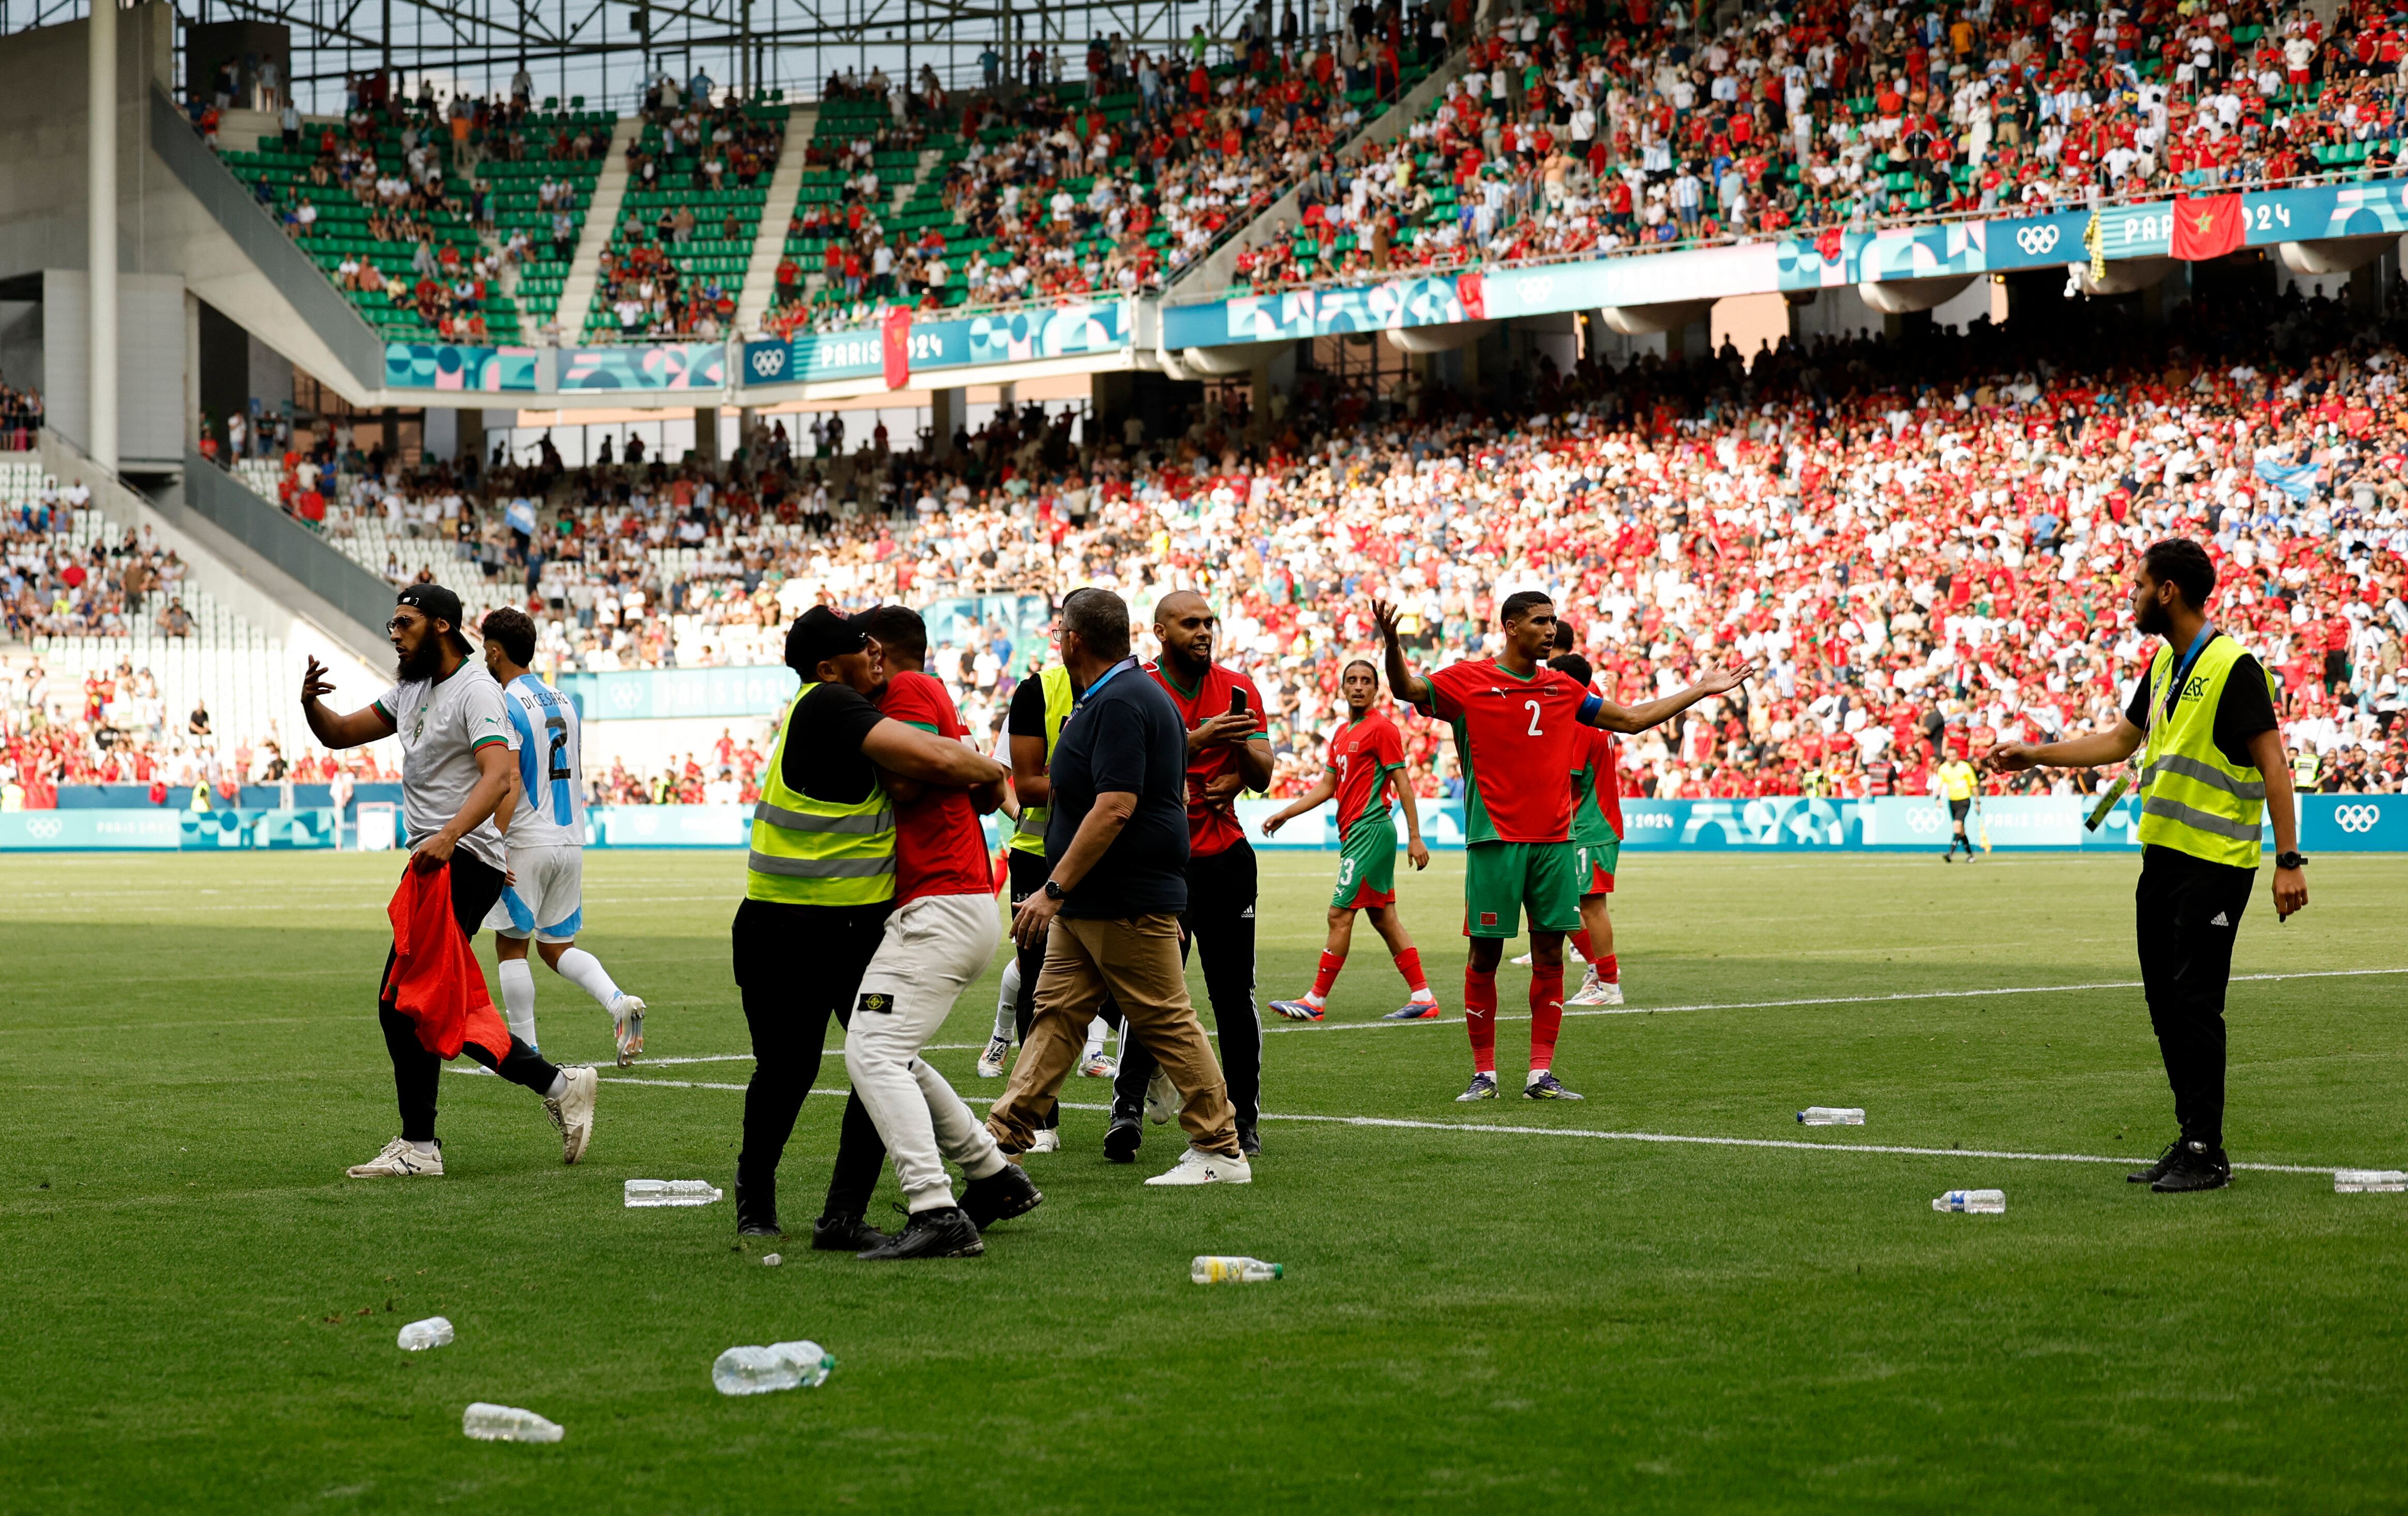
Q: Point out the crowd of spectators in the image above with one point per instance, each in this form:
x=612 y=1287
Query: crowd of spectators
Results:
x=21 y=419
x=50 y=587
x=690 y=152
x=1612 y=125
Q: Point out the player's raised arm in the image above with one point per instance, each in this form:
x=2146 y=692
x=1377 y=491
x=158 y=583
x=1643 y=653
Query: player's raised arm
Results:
x=366 y=724
x=1403 y=683
x=1620 y=718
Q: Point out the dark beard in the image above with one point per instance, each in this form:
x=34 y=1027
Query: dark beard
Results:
x=426 y=663
x=2152 y=618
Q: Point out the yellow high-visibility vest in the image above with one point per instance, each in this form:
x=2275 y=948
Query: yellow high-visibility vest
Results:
x=1029 y=836
x=2192 y=798
x=807 y=852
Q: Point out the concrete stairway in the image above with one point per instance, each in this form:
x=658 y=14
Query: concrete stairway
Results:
x=769 y=239
x=601 y=220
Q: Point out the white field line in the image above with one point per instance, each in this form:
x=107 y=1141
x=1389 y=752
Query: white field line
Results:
x=1495 y=1129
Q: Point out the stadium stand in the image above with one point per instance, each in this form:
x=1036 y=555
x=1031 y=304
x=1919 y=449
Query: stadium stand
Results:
x=698 y=177
x=1625 y=125
x=455 y=227
x=1920 y=536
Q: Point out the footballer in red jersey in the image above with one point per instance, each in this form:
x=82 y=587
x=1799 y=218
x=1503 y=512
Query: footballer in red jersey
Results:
x=1367 y=759
x=1596 y=849
x=1516 y=723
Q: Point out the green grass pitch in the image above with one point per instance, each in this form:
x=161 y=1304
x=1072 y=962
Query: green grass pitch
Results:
x=199 y=1309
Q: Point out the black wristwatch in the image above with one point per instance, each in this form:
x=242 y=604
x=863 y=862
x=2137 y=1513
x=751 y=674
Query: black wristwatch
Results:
x=2290 y=860
x=1054 y=891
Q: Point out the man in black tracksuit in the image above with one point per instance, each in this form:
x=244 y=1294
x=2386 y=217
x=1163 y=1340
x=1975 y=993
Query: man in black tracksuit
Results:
x=1226 y=754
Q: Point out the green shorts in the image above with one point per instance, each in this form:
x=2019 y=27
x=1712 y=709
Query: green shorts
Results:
x=1366 y=866
x=1500 y=877
x=1593 y=865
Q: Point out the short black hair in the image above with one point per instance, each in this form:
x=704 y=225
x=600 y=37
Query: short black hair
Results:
x=514 y=629
x=1574 y=664
x=1101 y=619
x=1518 y=604
x=2185 y=565
x=898 y=627
x=1564 y=640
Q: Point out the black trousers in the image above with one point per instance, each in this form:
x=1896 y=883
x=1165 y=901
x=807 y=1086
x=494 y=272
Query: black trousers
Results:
x=2187 y=911
x=1219 y=924
x=797 y=966
x=416 y=1072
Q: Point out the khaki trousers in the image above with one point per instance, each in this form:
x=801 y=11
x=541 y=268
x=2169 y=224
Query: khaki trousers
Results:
x=1136 y=962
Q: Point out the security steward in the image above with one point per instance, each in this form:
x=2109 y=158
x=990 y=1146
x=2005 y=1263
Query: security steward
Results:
x=817 y=890
x=2212 y=769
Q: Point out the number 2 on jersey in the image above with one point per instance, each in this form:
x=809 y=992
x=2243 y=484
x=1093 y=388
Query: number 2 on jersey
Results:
x=1532 y=706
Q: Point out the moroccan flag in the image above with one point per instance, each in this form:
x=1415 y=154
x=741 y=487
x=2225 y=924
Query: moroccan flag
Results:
x=894 y=334
x=1468 y=289
x=2207 y=227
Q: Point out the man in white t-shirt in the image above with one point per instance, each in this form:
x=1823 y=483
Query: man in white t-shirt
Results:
x=456 y=746
x=544 y=897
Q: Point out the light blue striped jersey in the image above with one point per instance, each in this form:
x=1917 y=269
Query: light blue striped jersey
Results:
x=551 y=812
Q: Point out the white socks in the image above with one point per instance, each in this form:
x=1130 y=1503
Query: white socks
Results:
x=1097 y=1030
x=559 y=1086
x=1007 y=1003
x=518 y=998
x=585 y=971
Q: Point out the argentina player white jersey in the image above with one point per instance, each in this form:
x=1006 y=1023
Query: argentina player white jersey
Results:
x=551 y=809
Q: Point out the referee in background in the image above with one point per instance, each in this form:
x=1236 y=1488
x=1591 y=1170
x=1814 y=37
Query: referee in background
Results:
x=2211 y=770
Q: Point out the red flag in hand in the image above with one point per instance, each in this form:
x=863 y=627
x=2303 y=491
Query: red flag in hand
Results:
x=894 y=331
x=2207 y=227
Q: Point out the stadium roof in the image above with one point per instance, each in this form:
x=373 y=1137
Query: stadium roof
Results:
x=605 y=50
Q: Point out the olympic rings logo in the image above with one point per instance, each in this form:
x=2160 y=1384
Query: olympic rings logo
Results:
x=43 y=828
x=2357 y=818
x=769 y=363
x=1922 y=819
x=2036 y=240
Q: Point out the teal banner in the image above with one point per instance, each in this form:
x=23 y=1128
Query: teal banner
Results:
x=446 y=366
x=998 y=337
x=645 y=695
x=667 y=367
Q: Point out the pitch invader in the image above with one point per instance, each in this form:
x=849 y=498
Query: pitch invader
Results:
x=545 y=899
x=1366 y=754
x=1515 y=723
x=1597 y=847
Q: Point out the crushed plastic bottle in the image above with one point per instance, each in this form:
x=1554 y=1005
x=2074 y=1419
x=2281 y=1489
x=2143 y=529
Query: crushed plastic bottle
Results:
x=1831 y=1116
x=670 y=1193
x=780 y=1366
x=771 y=1260
x=1219 y=1270
x=1975 y=1202
x=2369 y=1181
x=488 y=1422
x=434 y=1332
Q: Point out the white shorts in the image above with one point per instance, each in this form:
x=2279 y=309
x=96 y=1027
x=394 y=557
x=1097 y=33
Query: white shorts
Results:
x=548 y=902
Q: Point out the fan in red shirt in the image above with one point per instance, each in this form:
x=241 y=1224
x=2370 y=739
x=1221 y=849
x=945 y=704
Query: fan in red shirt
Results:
x=1363 y=756
x=1226 y=753
x=1516 y=723
x=940 y=936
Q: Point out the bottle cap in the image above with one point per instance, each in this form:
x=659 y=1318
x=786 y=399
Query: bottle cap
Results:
x=1279 y=1272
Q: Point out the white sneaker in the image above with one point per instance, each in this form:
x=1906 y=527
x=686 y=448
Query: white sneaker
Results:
x=627 y=1026
x=1099 y=1066
x=399 y=1160
x=1197 y=1166
x=573 y=1112
x=1523 y=962
x=1595 y=992
x=1161 y=1098
x=1571 y=955
x=1047 y=1140
x=990 y=1064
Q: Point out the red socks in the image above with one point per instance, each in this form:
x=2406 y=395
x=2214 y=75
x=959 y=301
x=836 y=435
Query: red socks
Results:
x=1330 y=963
x=1609 y=968
x=1409 y=963
x=1580 y=945
x=1480 y=1016
x=1546 y=1013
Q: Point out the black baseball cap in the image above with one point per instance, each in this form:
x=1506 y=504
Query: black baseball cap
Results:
x=436 y=604
x=822 y=632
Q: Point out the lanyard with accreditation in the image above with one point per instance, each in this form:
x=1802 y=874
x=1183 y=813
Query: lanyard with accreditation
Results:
x=2181 y=673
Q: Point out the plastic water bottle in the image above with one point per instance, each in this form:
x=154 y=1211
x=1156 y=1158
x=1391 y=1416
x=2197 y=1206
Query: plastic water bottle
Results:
x=1831 y=1116
x=1976 y=1202
x=1212 y=1270
x=771 y=1260
x=507 y=1424
x=780 y=1366
x=670 y=1193
x=2369 y=1181
x=434 y=1332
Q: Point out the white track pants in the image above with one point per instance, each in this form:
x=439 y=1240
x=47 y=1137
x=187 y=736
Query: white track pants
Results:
x=934 y=946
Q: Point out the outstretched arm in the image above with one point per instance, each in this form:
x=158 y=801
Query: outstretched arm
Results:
x=366 y=725
x=906 y=751
x=1322 y=789
x=1403 y=683
x=1621 y=717
x=2089 y=751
